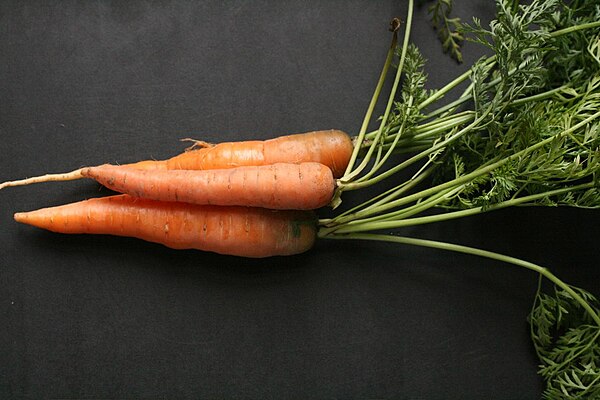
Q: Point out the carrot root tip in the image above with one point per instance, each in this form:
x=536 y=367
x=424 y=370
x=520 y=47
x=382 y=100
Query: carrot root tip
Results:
x=69 y=176
x=20 y=217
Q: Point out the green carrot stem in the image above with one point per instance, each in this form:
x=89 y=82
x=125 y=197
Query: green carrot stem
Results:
x=475 y=252
x=394 y=220
x=480 y=171
x=351 y=174
x=365 y=124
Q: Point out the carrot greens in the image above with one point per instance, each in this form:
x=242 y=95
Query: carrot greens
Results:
x=449 y=28
x=524 y=131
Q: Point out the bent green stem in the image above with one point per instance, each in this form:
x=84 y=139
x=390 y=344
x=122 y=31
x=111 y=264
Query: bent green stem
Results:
x=415 y=158
x=365 y=124
x=352 y=173
x=475 y=252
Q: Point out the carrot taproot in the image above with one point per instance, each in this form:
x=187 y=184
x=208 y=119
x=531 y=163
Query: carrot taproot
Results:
x=280 y=186
x=332 y=148
x=239 y=231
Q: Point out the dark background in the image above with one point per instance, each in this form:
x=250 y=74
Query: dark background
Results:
x=83 y=83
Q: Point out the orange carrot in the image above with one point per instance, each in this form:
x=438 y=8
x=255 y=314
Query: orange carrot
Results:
x=279 y=186
x=240 y=231
x=332 y=148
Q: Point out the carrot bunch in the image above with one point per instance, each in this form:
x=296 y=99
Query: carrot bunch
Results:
x=251 y=199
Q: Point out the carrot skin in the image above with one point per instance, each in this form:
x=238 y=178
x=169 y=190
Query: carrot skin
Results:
x=305 y=186
x=332 y=148
x=239 y=231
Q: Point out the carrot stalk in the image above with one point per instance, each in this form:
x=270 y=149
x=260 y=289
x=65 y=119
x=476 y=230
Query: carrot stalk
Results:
x=239 y=231
x=280 y=186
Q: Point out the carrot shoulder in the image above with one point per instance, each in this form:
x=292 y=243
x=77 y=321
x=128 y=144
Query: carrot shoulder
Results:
x=240 y=231
x=304 y=186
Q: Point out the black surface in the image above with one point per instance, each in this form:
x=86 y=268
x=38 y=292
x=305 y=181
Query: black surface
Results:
x=85 y=83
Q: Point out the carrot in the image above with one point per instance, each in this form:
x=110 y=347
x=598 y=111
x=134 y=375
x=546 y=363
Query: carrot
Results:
x=239 y=231
x=332 y=148
x=304 y=186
